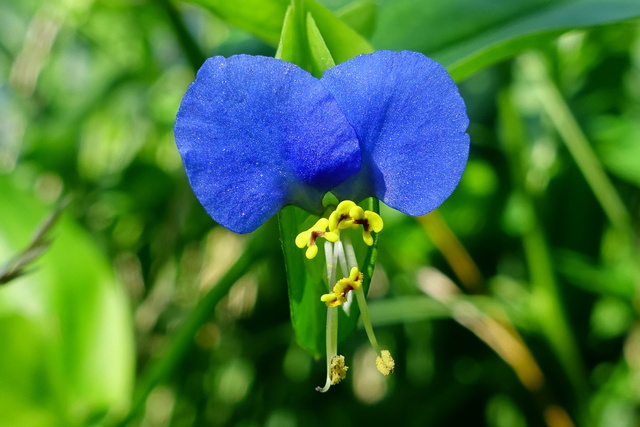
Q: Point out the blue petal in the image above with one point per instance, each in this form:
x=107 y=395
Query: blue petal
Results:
x=411 y=122
x=256 y=134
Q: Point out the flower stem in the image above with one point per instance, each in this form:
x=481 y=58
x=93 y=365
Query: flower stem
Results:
x=339 y=249
x=366 y=320
x=331 y=253
x=331 y=344
x=330 y=256
x=350 y=253
x=555 y=107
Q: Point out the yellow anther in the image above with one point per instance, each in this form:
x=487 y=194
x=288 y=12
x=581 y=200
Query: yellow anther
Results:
x=348 y=214
x=371 y=222
x=337 y=370
x=353 y=282
x=356 y=213
x=385 y=363
x=333 y=299
x=342 y=288
x=308 y=238
x=340 y=218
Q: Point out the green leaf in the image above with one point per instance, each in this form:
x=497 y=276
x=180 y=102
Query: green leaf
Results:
x=67 y=353
x=321 y=59
x=616 y=142
x=361 y=16
x=292 y=46
x=469 y=35
x=264 y=19
x=343 y=42
x=406 y=309
x=307 y=279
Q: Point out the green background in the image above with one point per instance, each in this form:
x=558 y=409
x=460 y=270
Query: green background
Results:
x=515 y=304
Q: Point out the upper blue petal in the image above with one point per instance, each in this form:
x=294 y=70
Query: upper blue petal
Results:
x=411 y=123
x=257 y=133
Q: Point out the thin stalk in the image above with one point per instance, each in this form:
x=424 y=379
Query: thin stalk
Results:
x=342 y=258
x=331 y=264
x=331 y=344
x=558 y=112
x=366 y=319
x=454 y=252
x=546 y=301
x=190 y=47
x=350 y=253
x=547 y=304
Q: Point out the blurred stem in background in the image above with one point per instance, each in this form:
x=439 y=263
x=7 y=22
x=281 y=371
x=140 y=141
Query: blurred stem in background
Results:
x=164 y=364
x=454 y=252
x=190 y=47
x=493 y=326
x=547 y=305
x=534 y=68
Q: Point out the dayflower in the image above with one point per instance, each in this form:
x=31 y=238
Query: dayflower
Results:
x=257 y=134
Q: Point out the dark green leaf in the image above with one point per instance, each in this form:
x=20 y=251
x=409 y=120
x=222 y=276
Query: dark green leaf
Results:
x=468 y=35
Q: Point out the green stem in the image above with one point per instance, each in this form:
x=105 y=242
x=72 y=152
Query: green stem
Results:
x=161 y=367
x=350 y=255
x=366 y=320
x=331 y=344
x=190 y=47
x=556 y=108
x=546 y=301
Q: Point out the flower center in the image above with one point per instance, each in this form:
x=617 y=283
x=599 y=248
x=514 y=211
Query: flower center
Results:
x=339 y=253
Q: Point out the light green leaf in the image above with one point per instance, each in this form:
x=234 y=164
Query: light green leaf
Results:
x=67 y=354
x=616 y=142
x=292 y=47
x=343 y=42
x=321 y=59
x=264 y=19
x=468 y=35
x=361 y=16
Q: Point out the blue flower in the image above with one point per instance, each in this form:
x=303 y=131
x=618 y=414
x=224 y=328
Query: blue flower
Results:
x=257 y=134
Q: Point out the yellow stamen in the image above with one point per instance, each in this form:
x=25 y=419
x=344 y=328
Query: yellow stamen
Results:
x=337 y=370
x=333 y=299
x=340 y=218
x=385 y=362
x=372 y=222
x=342 y=288
x=348 y=214
x=308 y=237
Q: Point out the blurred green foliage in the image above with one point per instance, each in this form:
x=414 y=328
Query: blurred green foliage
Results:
x=516 y=304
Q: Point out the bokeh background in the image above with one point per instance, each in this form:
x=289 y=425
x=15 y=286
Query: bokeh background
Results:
x=515 y=304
